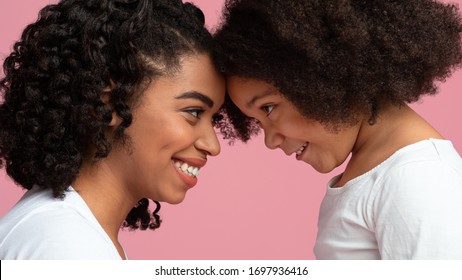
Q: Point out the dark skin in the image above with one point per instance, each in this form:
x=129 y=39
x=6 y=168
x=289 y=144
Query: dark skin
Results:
x=344 y=62
x=113 y=185
x=285 y=128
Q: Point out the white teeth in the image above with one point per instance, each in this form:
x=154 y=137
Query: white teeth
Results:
x=302 y=148
x=185 y=168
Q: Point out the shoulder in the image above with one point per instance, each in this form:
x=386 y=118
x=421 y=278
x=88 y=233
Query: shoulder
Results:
x=424 y=162
x=426 y=175
x=425 y=178
x=53 y=230
x=416 y=211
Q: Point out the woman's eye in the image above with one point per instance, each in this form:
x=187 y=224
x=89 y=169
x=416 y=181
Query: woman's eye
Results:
x=195 y=112
x=267 y=109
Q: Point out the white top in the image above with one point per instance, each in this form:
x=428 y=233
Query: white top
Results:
x=408 y=207
x=42 y=227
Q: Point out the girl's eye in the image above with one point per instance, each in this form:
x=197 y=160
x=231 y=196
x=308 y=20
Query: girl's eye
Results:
x=267 y=109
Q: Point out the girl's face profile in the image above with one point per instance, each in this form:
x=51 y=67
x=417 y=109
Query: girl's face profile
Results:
x=172 y=133
x=285 y=128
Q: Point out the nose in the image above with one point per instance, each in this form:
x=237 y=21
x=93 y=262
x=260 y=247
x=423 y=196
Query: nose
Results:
x=273 y=139
x=208 y=142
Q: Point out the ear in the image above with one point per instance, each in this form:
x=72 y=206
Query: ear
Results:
x=106 y=98
x=106 y=95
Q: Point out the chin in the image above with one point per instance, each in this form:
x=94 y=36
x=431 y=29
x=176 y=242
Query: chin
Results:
x=175 y=199
x=323 y=169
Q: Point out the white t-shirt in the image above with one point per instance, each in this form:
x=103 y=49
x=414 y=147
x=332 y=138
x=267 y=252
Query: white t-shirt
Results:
x=42 y=227
x=408 y=207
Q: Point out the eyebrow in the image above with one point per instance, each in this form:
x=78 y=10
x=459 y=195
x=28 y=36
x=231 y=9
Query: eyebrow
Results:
x=260 y=96
x=196 y=95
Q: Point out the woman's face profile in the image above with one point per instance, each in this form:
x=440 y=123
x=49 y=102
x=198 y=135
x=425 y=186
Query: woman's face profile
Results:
x=287 y=129
x=172 y=133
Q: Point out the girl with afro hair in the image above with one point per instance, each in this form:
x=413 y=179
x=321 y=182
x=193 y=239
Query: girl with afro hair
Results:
x=106 y=104
x=329 y=82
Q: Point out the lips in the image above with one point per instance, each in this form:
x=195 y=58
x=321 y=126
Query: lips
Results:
x=188 y=169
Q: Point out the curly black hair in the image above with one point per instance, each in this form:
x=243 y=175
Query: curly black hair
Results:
x=340 y=59
x=53 y=118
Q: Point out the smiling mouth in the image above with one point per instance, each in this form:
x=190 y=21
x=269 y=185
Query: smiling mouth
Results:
x=187 y=169
x=301 y=149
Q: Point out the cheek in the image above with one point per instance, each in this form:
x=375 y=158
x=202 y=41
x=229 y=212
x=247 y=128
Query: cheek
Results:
x=176 y=135
x=152 y=142
x=294 y=130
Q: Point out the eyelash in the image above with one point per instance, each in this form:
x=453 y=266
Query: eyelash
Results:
x=195 y=112
x=265 y=108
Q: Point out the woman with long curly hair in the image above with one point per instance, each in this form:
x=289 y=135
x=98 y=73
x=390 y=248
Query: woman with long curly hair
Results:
x=106 y=104
x=329 y=82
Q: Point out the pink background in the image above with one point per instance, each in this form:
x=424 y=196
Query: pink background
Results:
x=250 y=203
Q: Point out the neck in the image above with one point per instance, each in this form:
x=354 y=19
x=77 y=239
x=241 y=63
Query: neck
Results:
x=395 y=128
x=107 y=198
